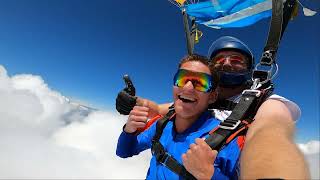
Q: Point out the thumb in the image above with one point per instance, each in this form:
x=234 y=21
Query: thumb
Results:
x=145 y=103
x=130 y=89
x=142 y=102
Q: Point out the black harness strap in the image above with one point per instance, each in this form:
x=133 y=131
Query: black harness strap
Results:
x=168 y=161
x=287 y=13
x=244 y=110
x=222 y=105
x=275 y=30
x=281 y=14
x=162 y=156
x=190 y=35
x=161 y=124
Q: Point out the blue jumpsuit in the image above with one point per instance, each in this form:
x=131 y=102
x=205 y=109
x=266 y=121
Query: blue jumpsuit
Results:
x=226 y=164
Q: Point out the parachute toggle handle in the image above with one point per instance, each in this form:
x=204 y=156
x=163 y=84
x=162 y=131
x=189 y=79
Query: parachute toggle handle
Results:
x=130 y=89
x=197 y=36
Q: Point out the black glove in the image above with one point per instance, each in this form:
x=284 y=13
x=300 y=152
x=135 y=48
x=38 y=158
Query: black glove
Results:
x=126 y=99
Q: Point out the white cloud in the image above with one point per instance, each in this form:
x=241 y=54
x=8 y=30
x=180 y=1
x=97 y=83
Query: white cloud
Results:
x=311 y=147
x=311 y=150
x=44 y=135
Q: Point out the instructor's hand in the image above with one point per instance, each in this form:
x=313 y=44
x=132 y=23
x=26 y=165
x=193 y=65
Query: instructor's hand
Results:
x=199 y=160
x=126 y=99
x=125 y=102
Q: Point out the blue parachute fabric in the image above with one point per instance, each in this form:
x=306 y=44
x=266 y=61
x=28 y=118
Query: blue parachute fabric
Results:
x=203 y=11
x=244 y=22
x=229 y=13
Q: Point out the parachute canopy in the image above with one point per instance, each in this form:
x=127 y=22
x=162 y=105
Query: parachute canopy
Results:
x=226 y=13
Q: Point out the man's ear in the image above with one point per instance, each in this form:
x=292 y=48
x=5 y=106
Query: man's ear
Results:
x=213 y=96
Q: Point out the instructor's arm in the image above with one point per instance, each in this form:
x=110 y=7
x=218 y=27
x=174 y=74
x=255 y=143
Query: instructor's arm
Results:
x=270 y=151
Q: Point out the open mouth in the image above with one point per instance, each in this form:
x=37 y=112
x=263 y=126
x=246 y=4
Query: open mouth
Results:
x=186 y=99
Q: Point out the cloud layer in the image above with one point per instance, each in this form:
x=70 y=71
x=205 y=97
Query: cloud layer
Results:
x=44 y=135
x=311 y=150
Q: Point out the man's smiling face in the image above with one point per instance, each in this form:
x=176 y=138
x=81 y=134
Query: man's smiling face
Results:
x=189 y=102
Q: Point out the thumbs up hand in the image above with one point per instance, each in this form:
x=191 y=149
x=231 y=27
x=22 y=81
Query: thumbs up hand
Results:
x=126 y=99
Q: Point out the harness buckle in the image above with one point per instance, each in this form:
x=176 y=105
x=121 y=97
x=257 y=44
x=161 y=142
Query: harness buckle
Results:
x=230 y=126
x=163 y=159
x=268 y=57
x=160 y=154
x=254 y=92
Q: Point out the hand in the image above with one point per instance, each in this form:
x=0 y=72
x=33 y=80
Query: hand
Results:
x=153 y=107
x=138 y=117
x=125 y=102
x=199 y=159
x=126 y=99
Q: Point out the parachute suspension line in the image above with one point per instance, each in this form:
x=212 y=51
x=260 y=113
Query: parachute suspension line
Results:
x=195 y=33
x=307 y=11
x=289 y=7
x=281 y=14
x=174 y=3
x=181 y=3
x=261 y=76
x=189 y=36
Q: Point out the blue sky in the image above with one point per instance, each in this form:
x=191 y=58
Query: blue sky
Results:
x=82 y=48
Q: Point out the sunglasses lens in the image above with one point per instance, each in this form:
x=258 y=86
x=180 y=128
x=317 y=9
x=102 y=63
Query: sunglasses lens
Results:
x=233 y=59
x=200 y=81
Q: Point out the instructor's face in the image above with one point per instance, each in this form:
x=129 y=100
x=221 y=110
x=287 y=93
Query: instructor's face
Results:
x=189 y=102
x=230 y=61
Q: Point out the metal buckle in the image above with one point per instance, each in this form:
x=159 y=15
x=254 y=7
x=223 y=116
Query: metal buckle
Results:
x=160 y=154
x=255 y=92
x=164 y=158
x=268 y=57
x=231 y=128
x=171 y=108
x=271 y=70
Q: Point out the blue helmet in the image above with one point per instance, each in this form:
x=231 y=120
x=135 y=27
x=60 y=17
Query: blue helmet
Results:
x=231 y=43
x=232 y=79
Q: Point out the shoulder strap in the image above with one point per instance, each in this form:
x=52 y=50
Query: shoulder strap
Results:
x=239 y=120
x=161 y=124
x=162 y=156
x=222 y=105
